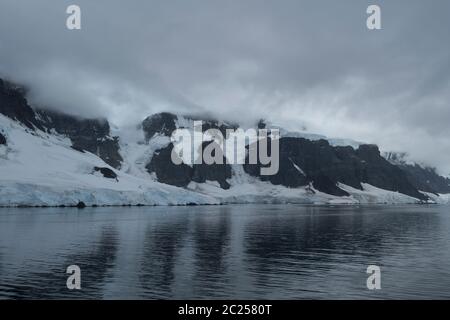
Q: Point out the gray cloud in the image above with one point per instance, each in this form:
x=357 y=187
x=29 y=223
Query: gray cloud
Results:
x=290 y=61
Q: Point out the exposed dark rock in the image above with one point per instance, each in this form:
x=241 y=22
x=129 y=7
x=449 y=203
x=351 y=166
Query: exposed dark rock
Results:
x=261 y=124
x=325 y=166
x=165 y=124
x=212 y=172
x=208 y=124
x=288 y=175
x=81 y=205
x=106 y=172
x=421 y=177
x=2 y=139
x=162 y=123
x=380 y=173
x=302 y=162
x=325 y=184
x=426 y=179
x=181 y=175
x=14 y=105
x=86 y=134
x=168 y=172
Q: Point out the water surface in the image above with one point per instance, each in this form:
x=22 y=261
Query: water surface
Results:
x=232 y=252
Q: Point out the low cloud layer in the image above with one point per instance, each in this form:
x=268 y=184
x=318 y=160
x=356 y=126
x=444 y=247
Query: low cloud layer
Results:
x=289 y=61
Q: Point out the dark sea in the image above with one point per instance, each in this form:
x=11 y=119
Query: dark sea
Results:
x=226 y=252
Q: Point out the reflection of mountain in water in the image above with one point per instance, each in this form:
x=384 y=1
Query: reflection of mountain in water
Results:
x=51 y=283
x=248 y=252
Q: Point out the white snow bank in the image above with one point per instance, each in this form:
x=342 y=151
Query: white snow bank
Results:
x=17 y=194
x=247 y=189
x=438 y=198
x=40 y=169
x=371 y=194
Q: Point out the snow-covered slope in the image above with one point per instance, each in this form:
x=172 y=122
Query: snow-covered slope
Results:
x=37 y=169
x=41 y=169
x=439 y=198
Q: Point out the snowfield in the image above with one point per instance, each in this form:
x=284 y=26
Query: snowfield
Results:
x=438 y=198
x=40 y=169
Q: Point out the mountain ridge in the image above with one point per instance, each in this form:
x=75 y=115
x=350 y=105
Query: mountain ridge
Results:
x=311 y=171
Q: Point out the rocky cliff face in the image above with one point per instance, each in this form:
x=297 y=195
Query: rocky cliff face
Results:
x=92 y=135
x=181 y=175
x=421 y=177
x=426 y=179
x=14 y=105
x=162 y=123
x=302 y=162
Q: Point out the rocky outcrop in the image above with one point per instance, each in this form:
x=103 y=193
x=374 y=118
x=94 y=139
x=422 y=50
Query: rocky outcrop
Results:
x=92 y=135
x=168 y=172
x=106 y=172
x=161 y=123
x=181 y=175
x=304 y=161
x=426 y=179
x=378 y=172
x=210 y=123
x=422 y=177
x=212 y=172
x=166 y=123
x=14 y=105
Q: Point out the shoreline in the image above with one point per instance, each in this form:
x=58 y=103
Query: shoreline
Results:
x=80 y=207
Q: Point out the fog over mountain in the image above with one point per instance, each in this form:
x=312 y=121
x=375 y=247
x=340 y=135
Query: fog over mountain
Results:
x=313 y=62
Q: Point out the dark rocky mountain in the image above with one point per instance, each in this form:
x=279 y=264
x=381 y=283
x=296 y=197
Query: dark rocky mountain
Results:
x=302 y=162
x=421 y=177
x=161 y=123
x=92 y=135
x=426 y=179
x=165 y=123
x=14 y=105
x=106 y=172
x=166 y=171
x=182 y=175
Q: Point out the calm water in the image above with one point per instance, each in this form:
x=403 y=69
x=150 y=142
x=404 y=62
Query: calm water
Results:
x=248 y=252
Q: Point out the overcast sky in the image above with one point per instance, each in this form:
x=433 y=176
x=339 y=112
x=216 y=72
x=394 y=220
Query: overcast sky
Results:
x=292 y=62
